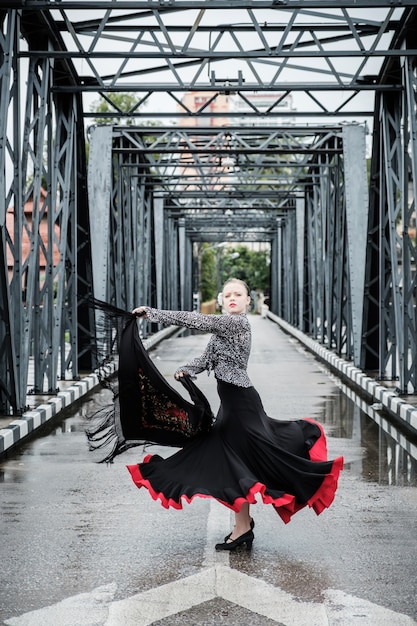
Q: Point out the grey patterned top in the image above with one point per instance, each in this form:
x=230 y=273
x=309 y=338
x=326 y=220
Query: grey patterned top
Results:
x=227 y=352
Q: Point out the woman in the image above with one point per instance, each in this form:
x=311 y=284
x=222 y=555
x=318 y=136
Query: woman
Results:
x=246 y=452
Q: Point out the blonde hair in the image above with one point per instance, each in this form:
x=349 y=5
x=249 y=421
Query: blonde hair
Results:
x=237 y=280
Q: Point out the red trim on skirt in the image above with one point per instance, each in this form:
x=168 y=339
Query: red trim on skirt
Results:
x=286 y=505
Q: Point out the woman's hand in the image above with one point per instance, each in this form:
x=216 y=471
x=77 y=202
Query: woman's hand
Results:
x=140 y=311
x=179 y=374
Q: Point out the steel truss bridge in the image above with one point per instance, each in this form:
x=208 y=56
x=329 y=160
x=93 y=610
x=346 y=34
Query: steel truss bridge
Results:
x=160 y=176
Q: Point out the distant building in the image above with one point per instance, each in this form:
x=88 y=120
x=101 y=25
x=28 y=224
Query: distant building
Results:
x=26 y=242
x=206 y=102
x=264 y=109
x=257 y=109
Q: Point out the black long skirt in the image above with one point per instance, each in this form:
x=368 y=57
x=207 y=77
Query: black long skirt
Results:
x=246 y=453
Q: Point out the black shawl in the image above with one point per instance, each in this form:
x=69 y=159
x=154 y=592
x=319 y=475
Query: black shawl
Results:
x=146 y=409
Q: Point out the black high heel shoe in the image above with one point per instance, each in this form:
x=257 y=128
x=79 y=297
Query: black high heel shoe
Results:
x=252 y=526
x=246 y=538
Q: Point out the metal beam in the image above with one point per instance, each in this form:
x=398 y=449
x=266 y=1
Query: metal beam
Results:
x=226 y=177
x=150 y=5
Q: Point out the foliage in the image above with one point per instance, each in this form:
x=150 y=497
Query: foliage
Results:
x=125 y=104
x=219 y=263
x=249 y=265
x=208 y=273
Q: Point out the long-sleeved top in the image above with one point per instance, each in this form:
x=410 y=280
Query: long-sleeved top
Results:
x=227 y=352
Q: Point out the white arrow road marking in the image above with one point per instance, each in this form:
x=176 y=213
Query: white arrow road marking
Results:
x=97 y=607
x=85 y=609
x=215 y=580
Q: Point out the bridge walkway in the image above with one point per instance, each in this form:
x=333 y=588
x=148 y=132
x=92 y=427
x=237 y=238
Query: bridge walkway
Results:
x=81 y=545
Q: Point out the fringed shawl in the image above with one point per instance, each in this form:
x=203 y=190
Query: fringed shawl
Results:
x=146 y=409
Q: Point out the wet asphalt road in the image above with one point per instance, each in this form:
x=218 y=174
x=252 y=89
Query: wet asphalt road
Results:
x=81 y=545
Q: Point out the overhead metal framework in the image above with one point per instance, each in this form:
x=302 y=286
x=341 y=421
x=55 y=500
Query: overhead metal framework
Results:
x=271 y=147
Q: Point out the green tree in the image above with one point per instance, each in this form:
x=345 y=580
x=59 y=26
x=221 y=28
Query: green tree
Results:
x=208 y=277
x=249 y=265
x=124 y=104
x=219 y=263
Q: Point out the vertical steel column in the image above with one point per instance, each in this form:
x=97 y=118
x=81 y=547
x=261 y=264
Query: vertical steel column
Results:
x=289 y=267
x=10 y=397
x=356 y=191
x=341 y=312
x=300 y=247
x=182 y=261
x=309 y=261
x=392 y=304
x=409 y=222
x=120 y=250
x=79 y=263
x=188 y=275
x=275 y=281
x=326 y=242
x=278 y=268
x=99 y=193
x=314 y=257
x=372 y=348
x=172 y=267
x=159 y=249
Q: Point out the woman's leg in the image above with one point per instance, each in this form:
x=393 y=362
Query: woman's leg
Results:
x=242 y=522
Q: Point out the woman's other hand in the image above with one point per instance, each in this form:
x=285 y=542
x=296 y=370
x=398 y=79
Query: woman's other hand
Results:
x=180 y=373
x=140 y=311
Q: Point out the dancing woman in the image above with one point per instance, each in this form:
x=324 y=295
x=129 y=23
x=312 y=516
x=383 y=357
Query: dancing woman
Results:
x=246 y=452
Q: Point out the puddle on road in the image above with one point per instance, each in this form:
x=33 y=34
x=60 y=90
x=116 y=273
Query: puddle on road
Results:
x=382 y=453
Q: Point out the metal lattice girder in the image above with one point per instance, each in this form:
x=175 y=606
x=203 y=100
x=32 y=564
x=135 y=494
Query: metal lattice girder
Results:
x=332 y=58
x=390 y=313
x=182 y=45
x=213 y=225
x=40 y=286
x=409 y=249
x=9 y=388
x=239 y=167
x=132 y=237
x=327 y=312
x=317 y=155
x=130 y=246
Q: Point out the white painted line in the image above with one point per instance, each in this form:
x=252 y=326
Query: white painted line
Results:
x=346 y=610
x=85 y=609
x=161 y=602
x=255 y=595
x=219 y=524
x=264 y=599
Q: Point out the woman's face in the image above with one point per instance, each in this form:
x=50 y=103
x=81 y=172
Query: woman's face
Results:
x=235 y=298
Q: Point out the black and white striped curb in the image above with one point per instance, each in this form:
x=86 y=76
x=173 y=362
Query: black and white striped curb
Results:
x=31 y=420
x=20 y=428
x=377 y=393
